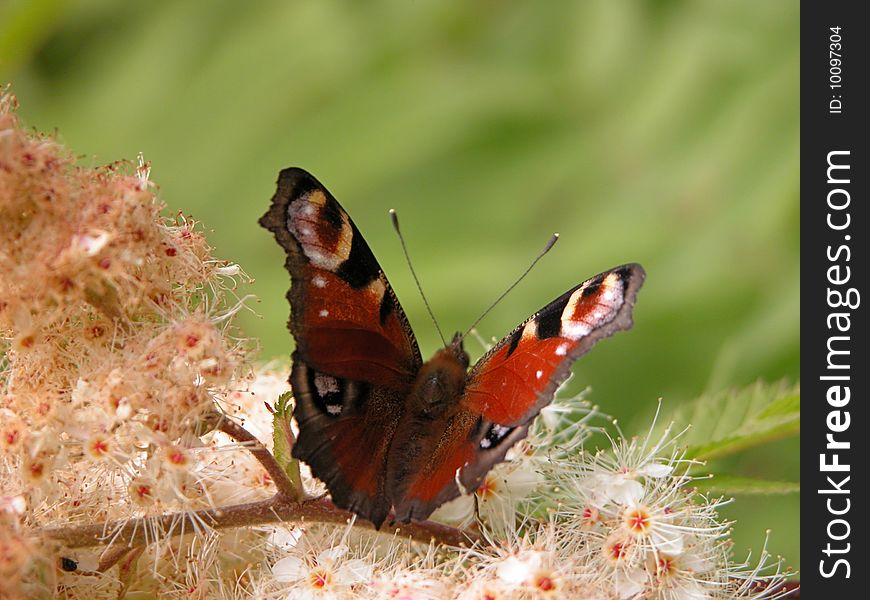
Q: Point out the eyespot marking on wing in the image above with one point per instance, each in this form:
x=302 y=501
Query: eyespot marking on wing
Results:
x=332 y=396
x=494 y=435
x=607 y=293
x=322 y=230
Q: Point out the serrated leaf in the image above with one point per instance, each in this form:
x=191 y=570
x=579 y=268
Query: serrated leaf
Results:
x=727 y=422
x=738 y=485
x=283 y=439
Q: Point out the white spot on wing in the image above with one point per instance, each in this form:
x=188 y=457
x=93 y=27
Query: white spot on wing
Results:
x=318 y=281
x=377 y=288
x=500 y=430
x=324 y=313
x=571 y=306
x=325 y=384
x=333 y=409
x=539 y=374
x=562 y=350
x=317 y=258
x=530 y=331
x=574 y=330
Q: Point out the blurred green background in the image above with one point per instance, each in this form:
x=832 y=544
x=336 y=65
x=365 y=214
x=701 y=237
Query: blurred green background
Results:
x=660 y=132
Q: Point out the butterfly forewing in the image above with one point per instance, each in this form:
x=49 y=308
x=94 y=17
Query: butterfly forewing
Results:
x=518 y=377
x=344 y=315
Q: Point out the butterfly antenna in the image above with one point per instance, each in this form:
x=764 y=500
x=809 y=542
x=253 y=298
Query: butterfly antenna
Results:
x=395 y=218
x=550 y=244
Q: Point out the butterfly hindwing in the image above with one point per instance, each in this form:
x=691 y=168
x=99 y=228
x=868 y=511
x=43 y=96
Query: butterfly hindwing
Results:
x=465 y=441
x=345 y=429
x=509 y=386
x=356 y=356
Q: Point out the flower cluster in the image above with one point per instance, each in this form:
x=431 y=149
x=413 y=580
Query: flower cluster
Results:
x=115 y=337
x=643 y=528
x=622 y=523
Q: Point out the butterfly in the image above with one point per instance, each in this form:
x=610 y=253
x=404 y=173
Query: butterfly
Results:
x=380 y=427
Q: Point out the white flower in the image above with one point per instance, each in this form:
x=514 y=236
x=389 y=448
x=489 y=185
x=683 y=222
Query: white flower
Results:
x=324 y=577
x=617 y=565
x=483 y=590
x=517 y=570
x=564 y=423
x=529 y=570
x=230 y=270
x=629 y=582
x=248 y=402
x=408 y=585
x=457 y=511
x=681 y=577
x=503 y=488
x=654 y=527
x=623 y=485
x=284 y=538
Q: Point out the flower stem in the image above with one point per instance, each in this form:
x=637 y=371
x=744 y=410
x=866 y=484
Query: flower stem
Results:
x=286 y=487
x=136 y=532
x=286 y=505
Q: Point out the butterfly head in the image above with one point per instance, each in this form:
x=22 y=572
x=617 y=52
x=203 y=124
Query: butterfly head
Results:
x=457 y=349
x=440 y=381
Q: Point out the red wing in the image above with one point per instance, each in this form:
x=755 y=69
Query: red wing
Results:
x=518 y=377
x=345 y=318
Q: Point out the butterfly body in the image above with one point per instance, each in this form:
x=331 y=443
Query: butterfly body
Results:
x=379 y=426
x=439 y=382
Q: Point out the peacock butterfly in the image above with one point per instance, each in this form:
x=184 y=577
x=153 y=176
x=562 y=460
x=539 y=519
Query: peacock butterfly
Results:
x=379 y=426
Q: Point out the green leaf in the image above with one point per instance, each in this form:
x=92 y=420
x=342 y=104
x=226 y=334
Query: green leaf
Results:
x=738 y=485
x=283 y=438
x=727 y=422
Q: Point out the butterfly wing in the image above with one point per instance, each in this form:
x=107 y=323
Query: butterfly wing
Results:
x=344 y=315
x=510 y=385
x=356 y=356
x=518 y=376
